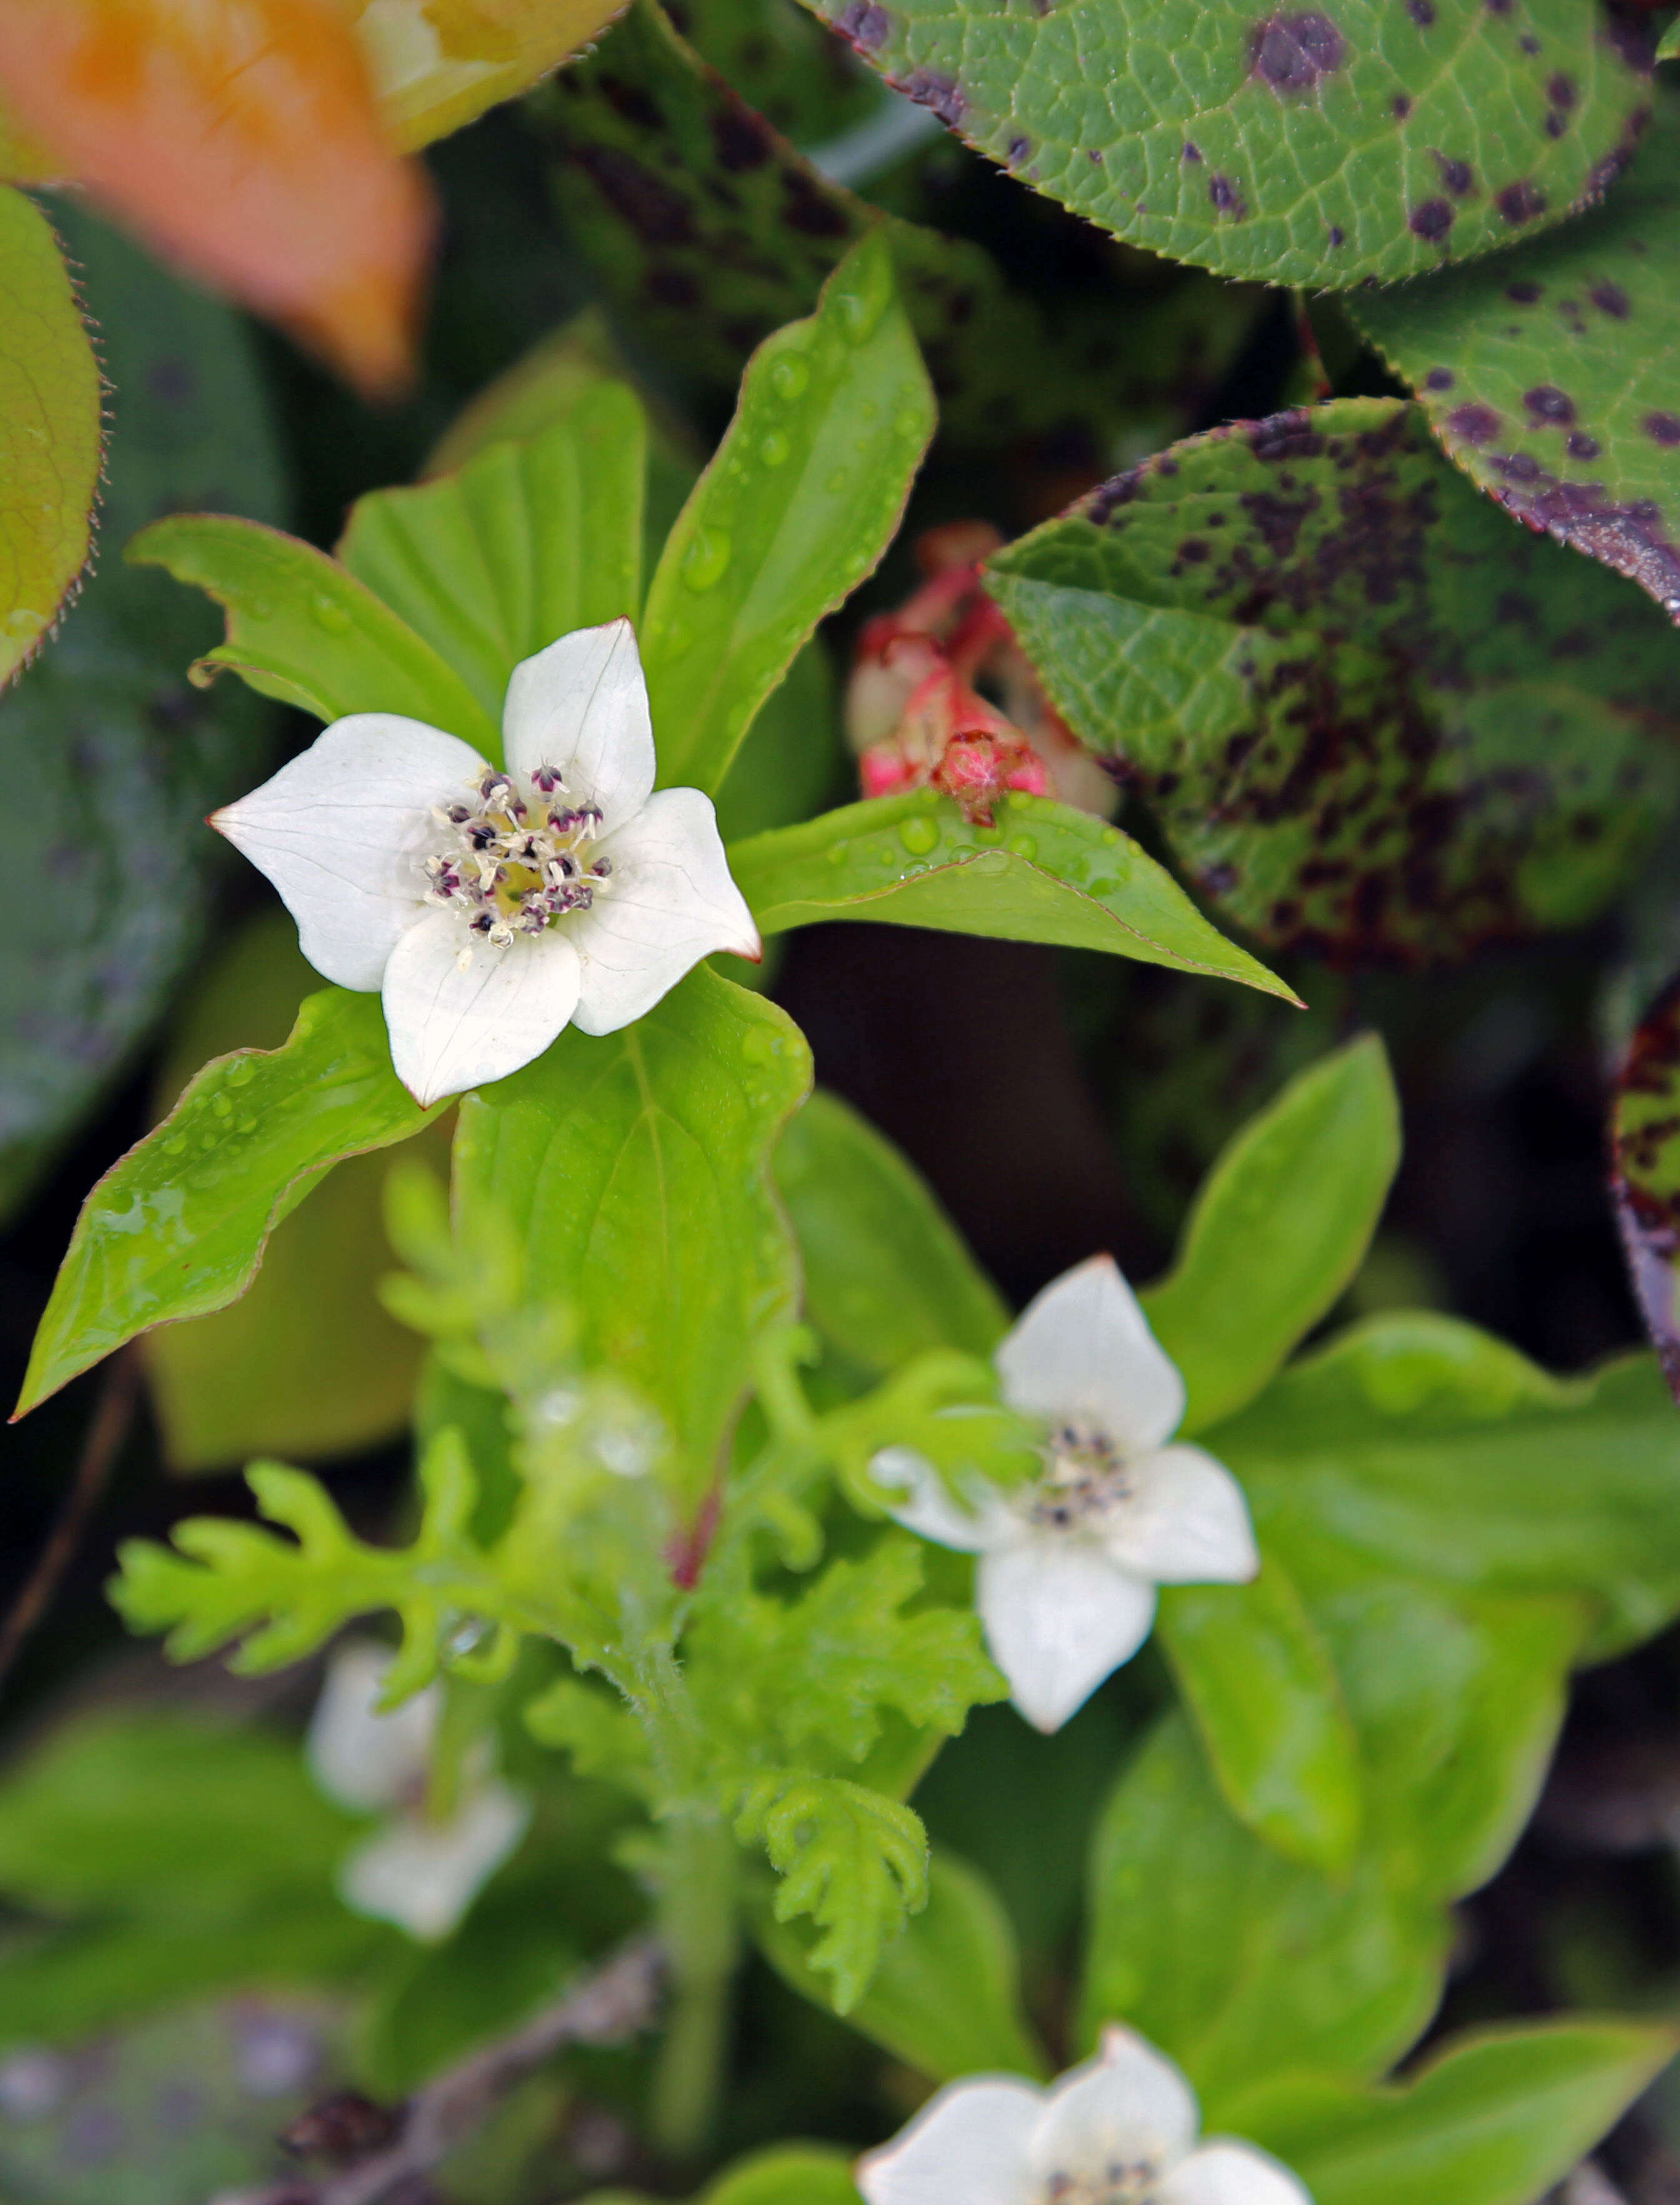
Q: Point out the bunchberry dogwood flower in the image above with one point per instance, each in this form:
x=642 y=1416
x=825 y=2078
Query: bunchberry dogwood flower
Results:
x=1119 y=2131
x=419 y=1870
x=1069 y=1562
x=492 y=906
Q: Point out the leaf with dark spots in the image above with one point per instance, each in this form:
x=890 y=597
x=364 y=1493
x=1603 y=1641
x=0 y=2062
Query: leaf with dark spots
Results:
x=1376 y=722
x=1568 y=414
x=1327 y=125
x=1645 y=1180
x=708 y=229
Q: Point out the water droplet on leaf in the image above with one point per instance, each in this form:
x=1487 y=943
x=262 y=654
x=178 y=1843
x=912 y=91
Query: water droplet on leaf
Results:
x=773 y=449
x=919 y=834
x=788 y=376
x=706 y=561
x=330 y=614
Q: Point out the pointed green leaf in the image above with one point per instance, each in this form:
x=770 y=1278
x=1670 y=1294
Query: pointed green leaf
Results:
x=1278 y=1228
x=526 y=542
x=787 y=2174
x=799 y=503
x=177 y=1226
x=303 y=630
x=1043 y=872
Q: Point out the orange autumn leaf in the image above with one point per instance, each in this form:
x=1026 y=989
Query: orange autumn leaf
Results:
x=242 y=139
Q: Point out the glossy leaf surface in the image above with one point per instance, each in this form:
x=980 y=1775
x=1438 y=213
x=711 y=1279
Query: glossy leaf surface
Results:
x=1302 y=145
x=177 y=1226
x=242 y=142
x=527 y=541
x=1374 y=719
x=1644 y=1138
x=797 y=504
x=304 y=630
x=50 y=431
x=1279 y=1226
x=1549 y=373
x=635 y=1169
x=1042 y=872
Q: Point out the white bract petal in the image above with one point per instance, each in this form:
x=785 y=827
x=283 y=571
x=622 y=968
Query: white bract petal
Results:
x=341 y=831
x=1083 y=1350
x=1185 y=1521
x=424 y=1876
x=461 y=1014
x=492 y=907
x=970 y=2145
x=367 y=1761
x=1059 y=1616
x=581 y=706
x=1231 y=2174
x=1128 y=2108
x=671 y=902
x=931 y=1510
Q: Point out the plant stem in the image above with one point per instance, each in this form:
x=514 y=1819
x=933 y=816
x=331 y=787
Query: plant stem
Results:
x=696 y=1930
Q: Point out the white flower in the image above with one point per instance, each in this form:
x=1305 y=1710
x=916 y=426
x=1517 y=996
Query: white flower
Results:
x=491 y=907
x=1119 y=2131
x=1069 y=1563
x=418 y=1871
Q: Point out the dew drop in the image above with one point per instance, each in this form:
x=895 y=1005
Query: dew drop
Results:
x=989 y=862
x=258 y=608
x=706 y=561
x=773 y=449
x=242 y=1070
x=1024 y=846
x=910 y=423
x=788 y=376
x=919 y=834
x=756 y=1046
x=174 y=1144
x=839 y=852
x=221 y=1107
x=330 y=614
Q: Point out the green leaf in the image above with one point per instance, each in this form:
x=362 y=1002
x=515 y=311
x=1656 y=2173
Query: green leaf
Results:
x=634 y=1170
x=103 y=745
x=945 y=1997
x=527 y=542
x=1645 y=1148
x=1437 y=1452
x=1043 y=872
x=1302 y=147
x=50 y=431
x=787 y=2174
x=177 y=1226
x=707 y=231
x=1265 y=1697
x=303 y=630
x=1311 y=646
x=791 y=759
x=1278 y=1228
x=853 y=1860
x=1668 y=46
x=1542 y=370
x=1493 y=2119
x=305 y=1363
x=887 y=1274
x=799 y=502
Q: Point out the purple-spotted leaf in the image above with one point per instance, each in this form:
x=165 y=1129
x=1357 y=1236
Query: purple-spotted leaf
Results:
x=1645 y=1145
x=1301 y=144
x=1552 y=373
x=1374 y=719
x=708 y=230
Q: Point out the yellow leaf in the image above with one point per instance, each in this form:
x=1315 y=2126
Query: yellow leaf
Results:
x=437 y=64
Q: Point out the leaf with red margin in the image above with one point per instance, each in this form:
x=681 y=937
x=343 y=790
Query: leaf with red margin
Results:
x=1645 y=1179
x=242 y=142
x=1374 y=719
x=1551 y=373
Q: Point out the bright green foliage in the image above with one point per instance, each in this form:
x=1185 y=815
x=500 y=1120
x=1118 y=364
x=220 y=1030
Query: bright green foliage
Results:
x=797 y=2175
x=1258 y=1679
x=789 y=763
x=666 y=169
x=945 y=1996
x=887 y=1275
x=816 y=1674
x=633 y=1172
x=1310 y=646
x=1278 y=1228
x=797 y=504
x=1304 y=147
x=303 y=630
x=176 y=1227
x=1548 y=372
x=528 y=541
x=1042 y=872
x=1493 y=2119
x=50 y=431
x=103 y=747
x=853 y=1860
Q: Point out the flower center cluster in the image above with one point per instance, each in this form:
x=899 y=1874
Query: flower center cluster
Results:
x=1121 y=2181
x=511 y=866
x=1084 y=1479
